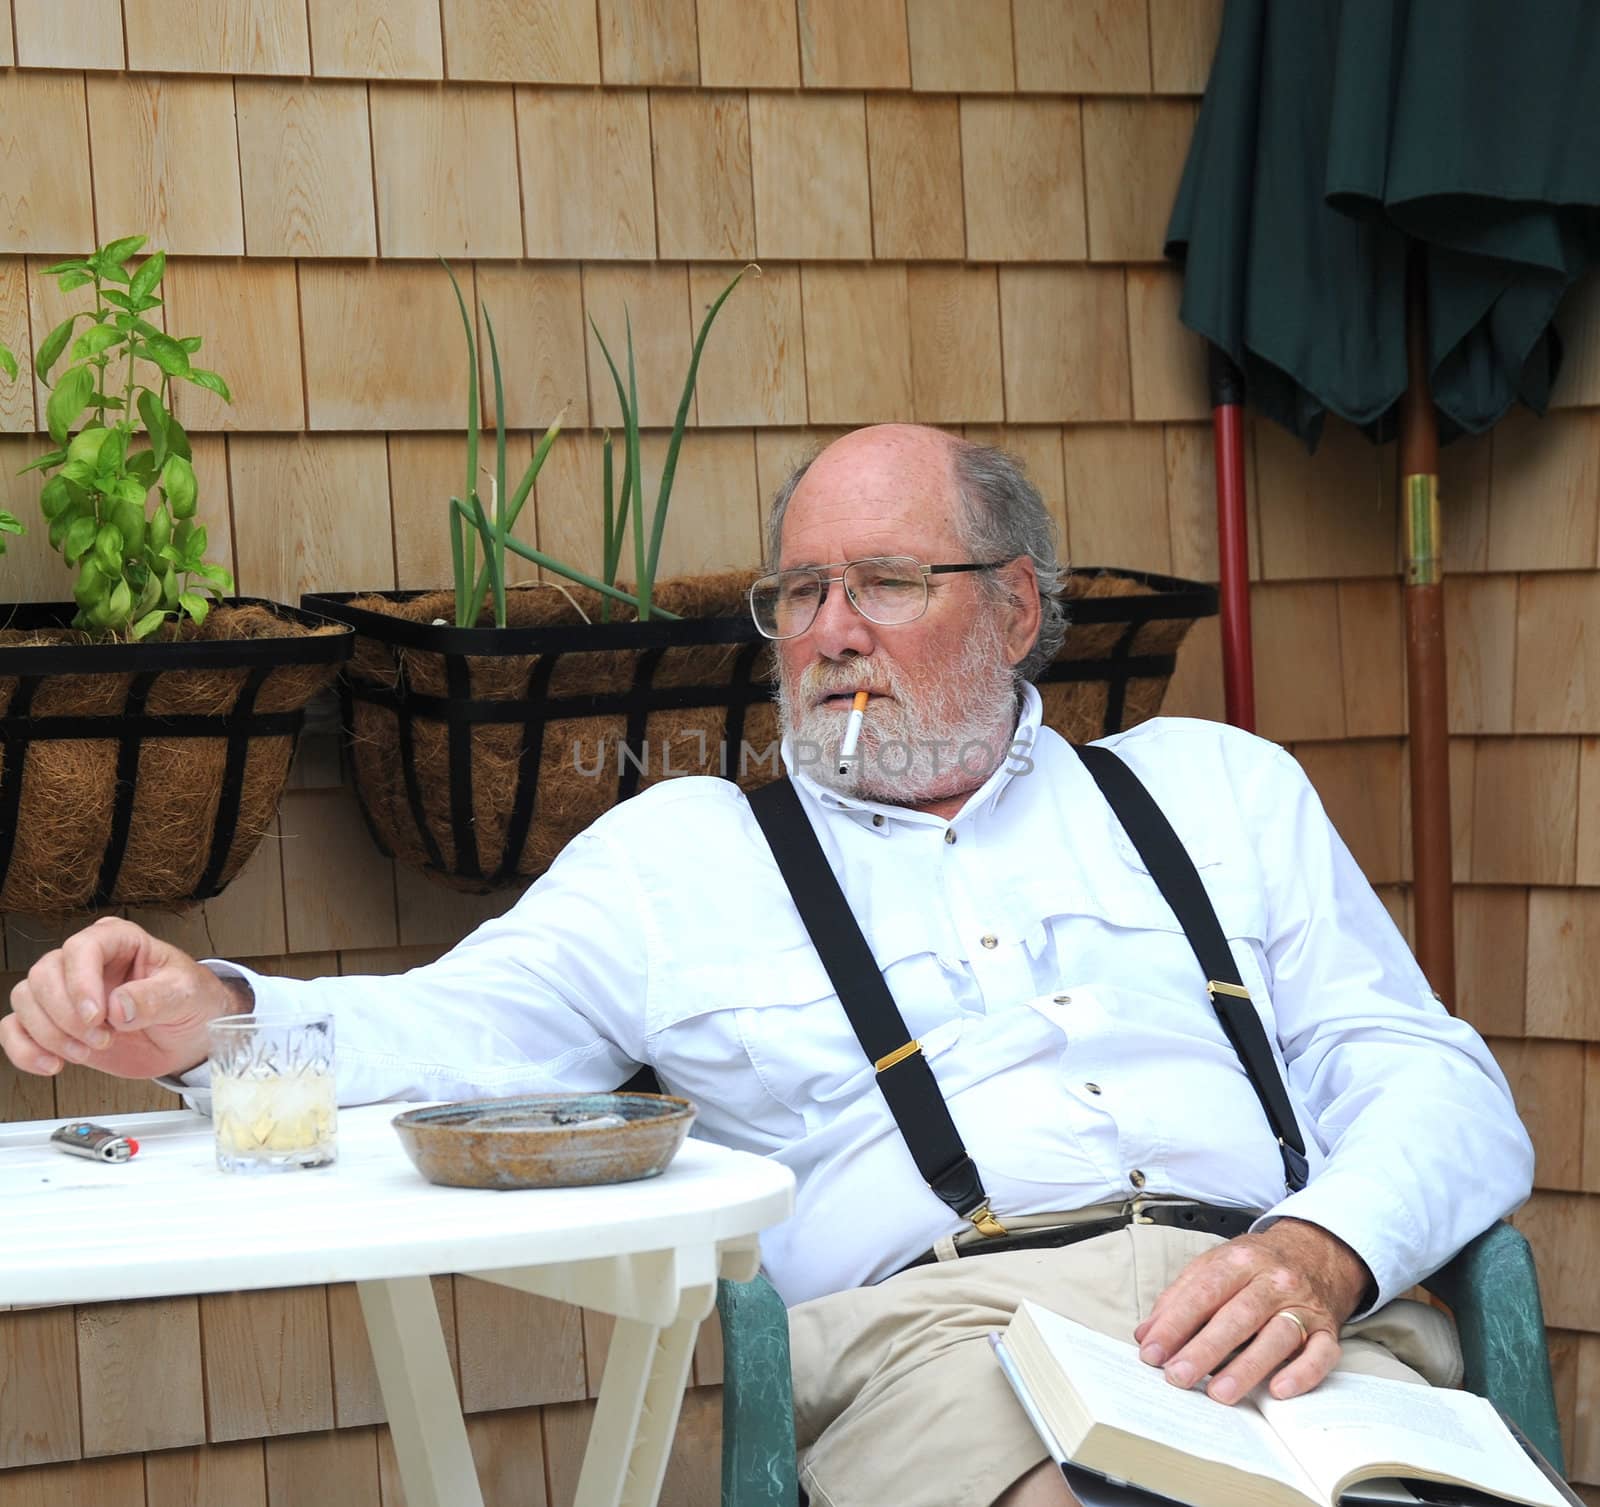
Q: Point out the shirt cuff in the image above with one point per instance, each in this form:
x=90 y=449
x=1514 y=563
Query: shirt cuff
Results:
x=1367 y=1217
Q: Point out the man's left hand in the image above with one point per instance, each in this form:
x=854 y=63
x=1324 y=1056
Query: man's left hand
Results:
x=1237 y=1298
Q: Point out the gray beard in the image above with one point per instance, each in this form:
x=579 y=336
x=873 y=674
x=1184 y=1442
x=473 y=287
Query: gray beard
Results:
x=917 y=748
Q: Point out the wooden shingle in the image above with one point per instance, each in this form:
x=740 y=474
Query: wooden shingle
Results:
x=1081 y=46
x=522 y=41
x=1133 y=155
x=1022 y=172
x=853 y=44
x=752 y=370
x=600 y=139
x=1065 y=334
x=808 y=156
x=218 y=36
x=166 y=158
x=654 y=299
x=445 y=166
x=700 y=145
x=961 y=46
x=649 y=42
x=140 y=1375
x=748 y=44
x=1169 y=361
x=305 y=164
x=69 y=33
x=858 y=344
x=914 y=150
x=955 y=344
x=377 y=39
x=43 y=124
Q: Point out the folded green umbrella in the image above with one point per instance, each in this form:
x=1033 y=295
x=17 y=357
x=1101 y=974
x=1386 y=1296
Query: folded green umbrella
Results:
x=1333 y=131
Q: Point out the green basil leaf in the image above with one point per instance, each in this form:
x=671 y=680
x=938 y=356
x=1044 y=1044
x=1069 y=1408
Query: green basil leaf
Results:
x=117 y=300
x=168 y=355
x=54 y=343
x=115 y=253
x=195 y=548
x=211 y=382
x=178 y=439
x=10 y=525
x=79 y=472
x=169 y=590
x=104 y=401
x=108 y=549
x=155 y=423
x=86 y=446
x=73 y=264
x=120 y=608
x=190 y=343
x=8 y=363
x=195 y=605
x=177 y=480
x=148 y=624
x=97 y=338
x=90 y=586
x=218 y=576
x=160 y=532
x=128 y=516
x=50 y=458
x=68 y=400
x=148 y=275
x=142 y=465
x=80 y=537
x=54 y=496
x=129 y=489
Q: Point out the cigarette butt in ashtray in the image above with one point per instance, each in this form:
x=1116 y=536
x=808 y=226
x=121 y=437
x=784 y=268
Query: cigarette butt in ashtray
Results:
x=852 y=733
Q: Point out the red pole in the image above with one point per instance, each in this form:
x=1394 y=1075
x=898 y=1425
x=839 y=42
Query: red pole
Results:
x=1233 y=543
x=1427 y=697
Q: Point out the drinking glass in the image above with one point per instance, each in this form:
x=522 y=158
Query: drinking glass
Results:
x=272 y=1093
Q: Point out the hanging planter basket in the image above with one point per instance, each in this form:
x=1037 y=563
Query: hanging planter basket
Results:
x=478 y=753
x=147 y=773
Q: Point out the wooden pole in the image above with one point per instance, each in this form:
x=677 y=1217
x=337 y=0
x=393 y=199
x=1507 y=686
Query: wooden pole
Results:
x=1432 y=901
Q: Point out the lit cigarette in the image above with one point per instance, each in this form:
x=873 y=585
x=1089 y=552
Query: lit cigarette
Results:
x=852 y=732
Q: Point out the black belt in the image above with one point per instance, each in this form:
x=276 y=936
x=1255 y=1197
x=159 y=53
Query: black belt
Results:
x=1211 y=1219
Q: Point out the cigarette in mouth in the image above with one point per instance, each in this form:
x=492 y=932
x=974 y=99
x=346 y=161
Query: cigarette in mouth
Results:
x=852 y=733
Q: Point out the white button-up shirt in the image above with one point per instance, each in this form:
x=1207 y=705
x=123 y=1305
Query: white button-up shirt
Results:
x=1055 y=996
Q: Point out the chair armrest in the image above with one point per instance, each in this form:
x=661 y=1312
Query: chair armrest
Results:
x=1493 y=1290
x=758 y=1454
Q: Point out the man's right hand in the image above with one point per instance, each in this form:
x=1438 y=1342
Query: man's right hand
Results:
x=113 y=997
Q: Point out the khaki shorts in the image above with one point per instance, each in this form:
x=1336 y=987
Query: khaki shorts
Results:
x=899 y=1401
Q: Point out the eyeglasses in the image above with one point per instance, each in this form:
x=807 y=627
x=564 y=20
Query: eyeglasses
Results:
x=884 y=589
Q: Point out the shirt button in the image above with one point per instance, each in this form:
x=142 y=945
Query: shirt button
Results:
x=877 y=819
x=950 y=834
x=989 y=940
x=1094 y=1088
x=1136 y=1177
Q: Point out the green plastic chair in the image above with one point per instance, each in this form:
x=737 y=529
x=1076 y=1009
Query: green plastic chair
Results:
x=1490 y=1286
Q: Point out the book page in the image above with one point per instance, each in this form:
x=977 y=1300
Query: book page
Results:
x=1405 y=1429
x=1119 y=1391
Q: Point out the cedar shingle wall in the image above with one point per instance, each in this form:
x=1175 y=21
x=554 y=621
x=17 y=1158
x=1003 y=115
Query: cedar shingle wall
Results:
x=958 y=208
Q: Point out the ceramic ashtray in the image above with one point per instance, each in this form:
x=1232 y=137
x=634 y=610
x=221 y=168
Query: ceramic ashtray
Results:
x=545 y=1140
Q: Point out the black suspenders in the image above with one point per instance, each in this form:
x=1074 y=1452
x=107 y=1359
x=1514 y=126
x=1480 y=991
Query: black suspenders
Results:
x=904 y=1076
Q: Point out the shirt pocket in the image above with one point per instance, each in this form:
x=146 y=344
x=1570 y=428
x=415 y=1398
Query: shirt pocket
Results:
x=769 y=1031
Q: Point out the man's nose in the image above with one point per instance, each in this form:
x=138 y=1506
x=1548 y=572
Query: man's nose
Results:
x=839 y=629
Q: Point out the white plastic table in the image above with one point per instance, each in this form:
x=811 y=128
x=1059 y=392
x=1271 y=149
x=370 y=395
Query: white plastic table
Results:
x=168 y=1222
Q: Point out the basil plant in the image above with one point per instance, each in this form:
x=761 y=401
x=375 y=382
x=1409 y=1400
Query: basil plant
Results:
x=121 y=495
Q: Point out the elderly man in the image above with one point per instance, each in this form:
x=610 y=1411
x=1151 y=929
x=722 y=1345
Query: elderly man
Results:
x=1112 y=1156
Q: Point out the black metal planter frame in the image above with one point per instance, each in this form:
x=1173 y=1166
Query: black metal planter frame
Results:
x=461 y=712
x=32 y=665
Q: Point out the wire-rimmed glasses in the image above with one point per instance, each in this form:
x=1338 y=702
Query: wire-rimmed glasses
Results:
x=884 y=589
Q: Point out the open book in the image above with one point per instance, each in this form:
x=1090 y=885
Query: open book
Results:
x=1101 y=1408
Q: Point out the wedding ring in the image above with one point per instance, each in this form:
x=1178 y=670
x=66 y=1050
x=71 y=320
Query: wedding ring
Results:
x=1298 y=1322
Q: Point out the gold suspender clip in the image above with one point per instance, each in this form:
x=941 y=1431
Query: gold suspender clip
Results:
x=1236 y=991
x=985 y=1222
x=899 y=1054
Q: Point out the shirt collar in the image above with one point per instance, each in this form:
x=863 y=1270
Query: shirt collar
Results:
x=877 y=814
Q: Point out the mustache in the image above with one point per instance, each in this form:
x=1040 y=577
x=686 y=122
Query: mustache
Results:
x=818 y=680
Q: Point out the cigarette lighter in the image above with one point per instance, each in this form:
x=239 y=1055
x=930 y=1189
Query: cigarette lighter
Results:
x=94 y=1141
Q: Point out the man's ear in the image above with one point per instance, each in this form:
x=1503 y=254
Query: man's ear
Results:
x=1023 y=614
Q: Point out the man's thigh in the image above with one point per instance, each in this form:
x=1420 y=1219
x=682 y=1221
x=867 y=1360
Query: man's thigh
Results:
x=898 y=1398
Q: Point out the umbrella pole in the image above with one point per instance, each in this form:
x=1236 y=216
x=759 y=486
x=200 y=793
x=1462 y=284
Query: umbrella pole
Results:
x=1226 y=382
x=1429 y=740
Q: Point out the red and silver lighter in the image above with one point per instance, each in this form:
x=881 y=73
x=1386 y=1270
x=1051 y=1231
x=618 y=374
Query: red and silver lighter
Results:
x=94 y=1141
